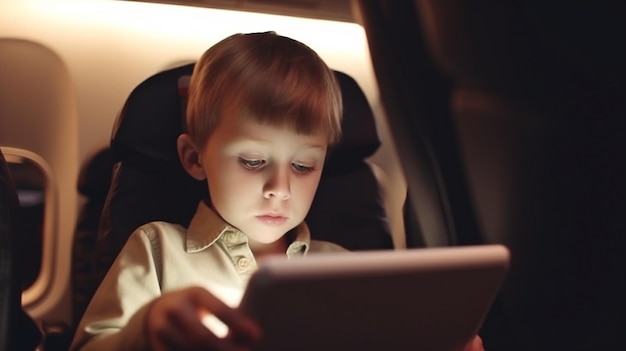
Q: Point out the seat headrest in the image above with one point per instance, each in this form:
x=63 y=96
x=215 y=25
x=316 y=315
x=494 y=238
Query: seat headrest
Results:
x=359 y=134
x=156 y=107
x=96 y=174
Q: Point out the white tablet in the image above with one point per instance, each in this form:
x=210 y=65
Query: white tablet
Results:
x=431 y=299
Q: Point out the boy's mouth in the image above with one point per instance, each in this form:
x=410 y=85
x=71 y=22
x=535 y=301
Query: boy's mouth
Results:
x=272 y=219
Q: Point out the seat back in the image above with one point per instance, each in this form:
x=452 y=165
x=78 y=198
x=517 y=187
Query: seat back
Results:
x=150 y=184
x=93 y=185
x=17 y=330
x=8 y=201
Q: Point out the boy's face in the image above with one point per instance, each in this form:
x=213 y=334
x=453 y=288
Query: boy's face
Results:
x=262 y=179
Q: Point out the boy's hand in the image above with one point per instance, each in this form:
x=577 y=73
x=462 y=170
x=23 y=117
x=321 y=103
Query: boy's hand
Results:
x=475 y=345
x=174 y=322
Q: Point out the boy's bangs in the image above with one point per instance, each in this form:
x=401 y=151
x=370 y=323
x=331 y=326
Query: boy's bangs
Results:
x=302 y=113
x=300 y=107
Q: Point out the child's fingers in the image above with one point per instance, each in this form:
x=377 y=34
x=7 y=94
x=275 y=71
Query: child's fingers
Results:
x=239 y=325
x=188 y=329
x=174 y=323
x=475 y=345
x=178 y=339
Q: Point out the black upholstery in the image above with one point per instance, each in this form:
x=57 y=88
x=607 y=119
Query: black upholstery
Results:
x=93 y=185
x=17 y=330
x=348 y=207
x=8 y=201
x=149 y=183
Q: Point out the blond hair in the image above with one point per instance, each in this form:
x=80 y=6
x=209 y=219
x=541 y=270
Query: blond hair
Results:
x=271 y=79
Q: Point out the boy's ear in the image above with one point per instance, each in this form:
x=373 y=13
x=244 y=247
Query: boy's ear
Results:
x=190 y=157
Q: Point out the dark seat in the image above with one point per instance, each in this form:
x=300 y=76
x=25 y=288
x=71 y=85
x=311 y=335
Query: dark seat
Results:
x=93 y=185
x=17 y=330
x=149 y=183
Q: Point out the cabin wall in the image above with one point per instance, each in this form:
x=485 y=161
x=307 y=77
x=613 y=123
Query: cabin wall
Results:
x=67 y=66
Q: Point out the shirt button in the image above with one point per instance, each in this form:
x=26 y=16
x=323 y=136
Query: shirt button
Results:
x=243 y=263
x=231 y=237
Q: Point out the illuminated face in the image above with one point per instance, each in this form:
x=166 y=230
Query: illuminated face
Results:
x=262 y=179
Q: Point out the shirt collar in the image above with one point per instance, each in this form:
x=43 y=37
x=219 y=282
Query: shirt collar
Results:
x=207 y=227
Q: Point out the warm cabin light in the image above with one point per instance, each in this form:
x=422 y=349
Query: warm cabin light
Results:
x=130 y=21
x=103 y=31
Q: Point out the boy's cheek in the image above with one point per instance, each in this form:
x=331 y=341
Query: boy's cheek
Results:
x=309 y=187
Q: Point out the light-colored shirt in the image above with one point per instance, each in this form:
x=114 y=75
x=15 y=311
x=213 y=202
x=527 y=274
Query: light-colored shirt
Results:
x=160 y=257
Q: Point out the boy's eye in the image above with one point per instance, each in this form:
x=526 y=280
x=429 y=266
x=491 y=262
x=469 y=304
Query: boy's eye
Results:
x=300 y=168
x=251 y=164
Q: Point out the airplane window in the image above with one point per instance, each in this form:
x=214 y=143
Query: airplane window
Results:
x=31 y=183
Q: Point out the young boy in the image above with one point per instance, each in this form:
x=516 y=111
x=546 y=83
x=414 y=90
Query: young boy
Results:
x=263 y=110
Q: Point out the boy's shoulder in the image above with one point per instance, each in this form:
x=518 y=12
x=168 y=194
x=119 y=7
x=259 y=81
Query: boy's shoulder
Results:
x=158 y=229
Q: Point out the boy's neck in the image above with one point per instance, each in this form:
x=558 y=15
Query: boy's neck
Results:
x=261 y=250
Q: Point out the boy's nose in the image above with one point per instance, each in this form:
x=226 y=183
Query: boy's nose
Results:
x=277 y=193
x=277 y=186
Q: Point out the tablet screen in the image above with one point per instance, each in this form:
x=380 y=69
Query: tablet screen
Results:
x=415 y=299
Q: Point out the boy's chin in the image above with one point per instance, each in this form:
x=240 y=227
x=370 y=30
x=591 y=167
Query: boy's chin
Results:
x=265 y=237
